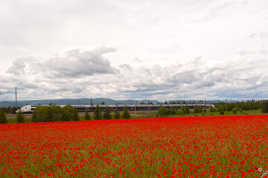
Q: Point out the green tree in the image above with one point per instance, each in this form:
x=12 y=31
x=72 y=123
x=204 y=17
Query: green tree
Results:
x=235 y=110
x=70 y=113
x=125 y=114
x=67 y=113
x=42 y=114
x=116 y=114
x=20 y=117
x=221 y=109
x=265 y=107
x=172 y=111
x=180 y=112
x=203 y=111
x=197 y=109
x=3 y=117
x=34 y=117
x=97 y=113
x=56 y=113
x=163 y=112
x=107 y=113
x=212 y=109
x=75 y=115
x=87 y=116
x=186 y=110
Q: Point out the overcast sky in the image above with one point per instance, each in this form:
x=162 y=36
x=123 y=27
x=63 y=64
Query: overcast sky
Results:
x=134 y=49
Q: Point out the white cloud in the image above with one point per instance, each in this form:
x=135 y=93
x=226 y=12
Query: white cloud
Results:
x=172 y=48
x=194 y=79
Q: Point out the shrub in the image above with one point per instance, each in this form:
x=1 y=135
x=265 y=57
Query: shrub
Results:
x=203 y=111
x=221 y=109
x=180 y=112
x=20 y=117
x=125 y=114
x=265 y=107
x=41 y=114
x=97 y=113
x=186 y=110
x=87 y=116
x=55 y=113
x=107 y=114
x=3 y=117
x=116 y=114
x=212 y=109
x=197 y=109
x=235 y=110
x=163 y=111
x=172 y=111
x=75 y=115
x=70 y=113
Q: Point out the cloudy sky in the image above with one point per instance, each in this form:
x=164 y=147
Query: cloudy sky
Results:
x=126 y=49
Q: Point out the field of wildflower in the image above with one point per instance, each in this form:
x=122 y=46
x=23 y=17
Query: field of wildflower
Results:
x=215 y=146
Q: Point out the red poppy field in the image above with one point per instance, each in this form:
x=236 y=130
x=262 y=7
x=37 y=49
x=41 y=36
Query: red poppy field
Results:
x=222 y=146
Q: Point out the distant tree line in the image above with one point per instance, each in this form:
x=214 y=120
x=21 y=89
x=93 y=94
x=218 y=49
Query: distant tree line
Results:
x=107 y=114
x=265 y=107
x=9 y=110
x=221 y=108
x=54 y=113
x=3 y=117
x=164 y=111
x=246 y=105
x=68 y=113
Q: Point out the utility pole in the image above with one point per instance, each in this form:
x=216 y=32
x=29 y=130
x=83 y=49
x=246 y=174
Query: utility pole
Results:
x=136 y=108
x=91 y=101
x=16 y=96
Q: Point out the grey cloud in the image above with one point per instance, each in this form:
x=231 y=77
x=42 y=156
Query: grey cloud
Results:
x=219 y=81
x=71 y=75
x=187 y=77
x=71 y=64
x=76 y=63
x=17 y=68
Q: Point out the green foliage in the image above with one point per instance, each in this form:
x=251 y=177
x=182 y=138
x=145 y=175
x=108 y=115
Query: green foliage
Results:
x=55 y=113
x=180 y=112
x=97 y=113
x=87 y=116
x=75 y=115
x=265 y=107
x=41 y=114
x=172 y=111
x=197 y=109
x=9 y=110
x=34 y=116
x=245 y=105
x=107 y=114
x=203 y=111
x=186 y=110
x=70 y=113
x=116 y=114
x=125 y=114
x=20 y=117
x=212 y=109
x=163 y=111
x=3 y=117
x=221 y=109
x=235 y=110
